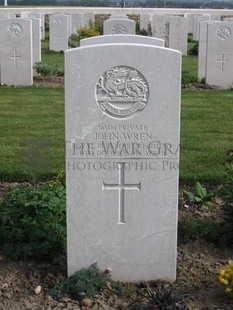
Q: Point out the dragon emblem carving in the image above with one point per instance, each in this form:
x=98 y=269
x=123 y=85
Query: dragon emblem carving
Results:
x=122 y=91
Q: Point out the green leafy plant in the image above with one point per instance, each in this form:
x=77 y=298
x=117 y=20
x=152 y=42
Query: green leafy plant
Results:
x=192 y=228
x=161 y=298
x=201 y=196
x=193 y=50
x=89 y=31
x=49 y=70
x=86 y=282
x=188 y=79
x=32 y=223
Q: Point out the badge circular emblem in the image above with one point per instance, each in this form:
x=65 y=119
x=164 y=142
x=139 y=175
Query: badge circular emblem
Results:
x=223 y=33
x=15 y=30
x=122 y=92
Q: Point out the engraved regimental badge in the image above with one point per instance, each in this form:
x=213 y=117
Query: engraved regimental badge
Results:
x=223 y=33
x=15 y=31
x=122 y=92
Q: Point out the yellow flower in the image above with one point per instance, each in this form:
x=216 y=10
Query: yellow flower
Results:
x=221 y=280
x=225 y=282
x=222 y=272
x=228 y=290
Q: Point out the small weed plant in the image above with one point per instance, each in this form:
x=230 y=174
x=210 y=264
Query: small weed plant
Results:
x=188 y=79
x=193 y=228
x=226 y=278
x=32 y=223
x=86 y=282
x=89 y=31
x=49 y=70
x=201 y=196
x=193 y=50
x=161 y=298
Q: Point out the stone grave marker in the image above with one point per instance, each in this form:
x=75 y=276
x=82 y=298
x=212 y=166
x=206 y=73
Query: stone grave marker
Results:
x=16 y=52
x=76 y=22
x=36 y=40
x=122 y=38
x=219 y=57
x=178 y=34
x=41 y=17
x=122 y=148
x=87 y=18
x=59 y=32
x=119 y=24
x=145 y=21
x=197 y=20
x=202 y=46
x=160 y=27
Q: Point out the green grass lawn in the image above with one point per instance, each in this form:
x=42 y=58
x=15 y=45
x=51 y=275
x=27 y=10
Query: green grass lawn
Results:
x=37 y=115
x=31 y=116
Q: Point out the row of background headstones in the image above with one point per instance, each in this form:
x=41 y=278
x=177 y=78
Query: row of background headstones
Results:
x=60 y=28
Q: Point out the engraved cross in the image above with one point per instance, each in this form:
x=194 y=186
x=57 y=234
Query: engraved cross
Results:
x=178 y=39
x=222 y=60
x=121 y=187
x=59 y=38
x=15 y=58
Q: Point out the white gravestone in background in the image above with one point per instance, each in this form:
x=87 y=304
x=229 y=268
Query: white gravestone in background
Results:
x=219 y=56
x=76 y=22
x=202 y=46
x=119 y=24
x=87 y=18
x=160 y=27
x=178 y=34
x=36 y=40
x=41 y=17
x=122 y=148
x=16 y=52
x=197 y=20
x=58 y=32
x=122 y=38
x=190 y=18
x=145 y=21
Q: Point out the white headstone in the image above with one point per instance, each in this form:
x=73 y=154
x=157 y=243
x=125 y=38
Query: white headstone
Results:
x=122 y=137
x=76 y=22
x=87 y=18
x=178 y=34
x=219 y=59
x=202 y=46
x=119 y=25
x=41 y=17
x=122 y=38
x=59 y=32
x=228 y=19
x=36 y=40
x=160 y=27
x=16 y=52
x=197 y=20
x=3 y=15
x=12 y=16
x=145 y=21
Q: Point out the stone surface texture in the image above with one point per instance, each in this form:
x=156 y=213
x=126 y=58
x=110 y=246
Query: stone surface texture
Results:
x=122 y=38
x=122 y=136
x=16 y=52
x=119 y=24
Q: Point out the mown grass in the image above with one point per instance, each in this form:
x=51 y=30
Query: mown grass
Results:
x=31 y=125
x=206 y=134
x=37 y=114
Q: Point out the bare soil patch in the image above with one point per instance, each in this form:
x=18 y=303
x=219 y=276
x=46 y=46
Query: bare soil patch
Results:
x=198 y=266
x=44 y=81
